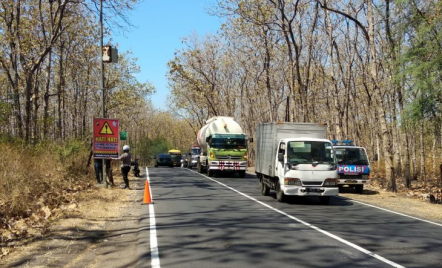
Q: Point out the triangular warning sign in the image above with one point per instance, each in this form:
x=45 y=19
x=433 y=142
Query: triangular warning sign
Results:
x=106 y=129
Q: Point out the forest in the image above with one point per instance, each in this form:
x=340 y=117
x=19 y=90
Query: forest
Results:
x=370 y=70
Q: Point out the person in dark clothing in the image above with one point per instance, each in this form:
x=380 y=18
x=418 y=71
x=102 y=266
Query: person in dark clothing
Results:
x=125 y=165
x=110 y=177
x=136 y=168
x=98 y=166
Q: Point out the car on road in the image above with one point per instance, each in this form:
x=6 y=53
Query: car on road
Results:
x=163 y=160
x=191 y=158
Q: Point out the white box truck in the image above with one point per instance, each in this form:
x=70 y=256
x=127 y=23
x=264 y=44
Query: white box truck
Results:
x=296 y=159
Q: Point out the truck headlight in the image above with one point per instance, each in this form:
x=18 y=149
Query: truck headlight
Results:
x=292 y=181
x=330 y=182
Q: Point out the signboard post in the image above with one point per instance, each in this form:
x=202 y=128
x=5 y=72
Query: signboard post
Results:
x=106 y=138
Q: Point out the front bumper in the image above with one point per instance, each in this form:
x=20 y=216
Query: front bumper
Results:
x=352 y=180
x=228 y=165
x=310 y=191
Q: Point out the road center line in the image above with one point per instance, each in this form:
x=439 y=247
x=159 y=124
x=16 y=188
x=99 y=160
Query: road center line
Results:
x=311 y=226
x=154 y=253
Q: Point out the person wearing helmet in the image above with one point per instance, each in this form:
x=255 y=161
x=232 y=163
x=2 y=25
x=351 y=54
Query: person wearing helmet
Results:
x=125 y=164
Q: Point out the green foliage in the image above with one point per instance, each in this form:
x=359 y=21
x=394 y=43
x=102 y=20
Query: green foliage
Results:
x=422 y=63
x=5 y=112
x=147 y=149
x=159 y=145
x=70 y=148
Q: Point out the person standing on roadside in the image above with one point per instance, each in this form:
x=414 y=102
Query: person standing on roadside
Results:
x=125 y=165
x=98 y=166
x=110 y=176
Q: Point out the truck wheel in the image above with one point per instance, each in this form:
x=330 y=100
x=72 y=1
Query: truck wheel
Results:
x=279 y=193
x=324 y=200
x=359 y=189
x=264 y=188
x=242 y=173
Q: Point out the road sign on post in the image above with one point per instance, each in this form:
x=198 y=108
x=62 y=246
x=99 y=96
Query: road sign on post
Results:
x=106 y=138
x=123 y=135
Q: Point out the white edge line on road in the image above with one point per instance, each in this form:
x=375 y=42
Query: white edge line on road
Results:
x=312 y=226
x=154 y=253
x=391 y=211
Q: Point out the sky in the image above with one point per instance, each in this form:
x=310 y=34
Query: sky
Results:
x=159 y=28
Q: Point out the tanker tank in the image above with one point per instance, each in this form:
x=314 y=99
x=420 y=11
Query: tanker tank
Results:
x=217 y=125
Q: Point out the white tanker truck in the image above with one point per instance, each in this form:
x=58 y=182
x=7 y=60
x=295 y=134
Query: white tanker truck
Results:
x=223 y=147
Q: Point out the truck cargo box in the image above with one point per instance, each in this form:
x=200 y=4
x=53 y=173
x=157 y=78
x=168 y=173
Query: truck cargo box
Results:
x=269 y=134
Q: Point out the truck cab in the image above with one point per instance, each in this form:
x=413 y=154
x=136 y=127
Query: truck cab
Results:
x=353 y=165
x=306 y=167
x=191 y=159
x=176 y=157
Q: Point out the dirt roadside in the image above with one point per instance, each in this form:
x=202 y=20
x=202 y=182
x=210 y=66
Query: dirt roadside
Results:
x=103 y=231
x=94 y=232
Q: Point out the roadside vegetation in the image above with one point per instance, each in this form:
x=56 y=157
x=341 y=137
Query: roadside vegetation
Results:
x=35 y=181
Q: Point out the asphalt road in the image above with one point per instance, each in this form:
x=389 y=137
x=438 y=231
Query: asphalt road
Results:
x=224 y=221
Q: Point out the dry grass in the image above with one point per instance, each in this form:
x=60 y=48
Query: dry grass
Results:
x=36 y=180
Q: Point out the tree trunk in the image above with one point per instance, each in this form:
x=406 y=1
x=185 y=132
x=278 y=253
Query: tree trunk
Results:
x=380 y=107
x=422 y=152
x=28 y=106
x=46 y=96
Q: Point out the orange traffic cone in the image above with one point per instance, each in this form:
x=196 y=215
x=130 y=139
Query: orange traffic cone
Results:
x=147 y=196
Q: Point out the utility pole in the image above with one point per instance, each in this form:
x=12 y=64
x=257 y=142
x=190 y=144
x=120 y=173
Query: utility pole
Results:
x=103 y=111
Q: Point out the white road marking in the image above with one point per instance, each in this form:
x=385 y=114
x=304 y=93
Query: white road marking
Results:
x=312 y=226
x=154 y=253
x=391 y=211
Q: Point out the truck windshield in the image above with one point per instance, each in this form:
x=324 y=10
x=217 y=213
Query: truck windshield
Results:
x=228 y=142
x=307 y=152
x=176 y=156
x=351 y=156
x=196 y=151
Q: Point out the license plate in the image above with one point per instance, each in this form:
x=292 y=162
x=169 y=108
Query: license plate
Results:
x=313 y=190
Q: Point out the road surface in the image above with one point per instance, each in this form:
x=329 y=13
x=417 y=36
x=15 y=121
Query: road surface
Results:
x=224 y=221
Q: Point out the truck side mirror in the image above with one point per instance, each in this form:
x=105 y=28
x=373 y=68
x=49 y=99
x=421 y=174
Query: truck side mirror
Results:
x=207 y=139
x=280 y=157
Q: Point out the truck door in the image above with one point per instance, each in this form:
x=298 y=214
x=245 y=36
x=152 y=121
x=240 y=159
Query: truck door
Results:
x=280 y=165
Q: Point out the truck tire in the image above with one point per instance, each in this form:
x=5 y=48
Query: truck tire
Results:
x=242 y=173
x=265 y=190
x=279 y=193
x=324 y=200
x=359 y=189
